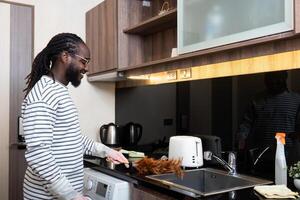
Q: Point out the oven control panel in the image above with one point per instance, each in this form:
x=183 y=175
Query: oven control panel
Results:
x=100 y=186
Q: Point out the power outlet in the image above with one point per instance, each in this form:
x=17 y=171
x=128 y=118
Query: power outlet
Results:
x=185 y=73
x=172 y=75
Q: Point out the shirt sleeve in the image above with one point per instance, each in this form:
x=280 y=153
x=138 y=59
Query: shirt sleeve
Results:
x=38 y=123
x=94 y=148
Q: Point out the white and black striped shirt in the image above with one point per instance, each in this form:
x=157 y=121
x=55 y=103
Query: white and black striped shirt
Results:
x=55 y=145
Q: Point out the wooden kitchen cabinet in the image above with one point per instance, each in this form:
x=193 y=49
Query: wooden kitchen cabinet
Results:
x=111 y=49
x=101 y=36
x=125 y=34
x=155 y=33
x=143 y=41
x=143 y=193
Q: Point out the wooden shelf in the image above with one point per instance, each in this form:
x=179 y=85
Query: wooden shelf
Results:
x=155 y=24
x=265 y=39
x=152 y=63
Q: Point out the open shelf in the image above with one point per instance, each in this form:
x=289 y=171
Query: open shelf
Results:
x=155 y=24
x=190 y=55
x=154 y=62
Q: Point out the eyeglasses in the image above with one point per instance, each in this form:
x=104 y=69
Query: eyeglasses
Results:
x=86 y=61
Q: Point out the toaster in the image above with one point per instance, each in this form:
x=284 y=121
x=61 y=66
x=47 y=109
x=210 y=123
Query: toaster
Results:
x=187 y=148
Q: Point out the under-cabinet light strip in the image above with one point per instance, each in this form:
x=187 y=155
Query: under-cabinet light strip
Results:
x=274 y=62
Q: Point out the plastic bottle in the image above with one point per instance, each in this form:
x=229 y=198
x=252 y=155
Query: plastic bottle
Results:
x=280 y=161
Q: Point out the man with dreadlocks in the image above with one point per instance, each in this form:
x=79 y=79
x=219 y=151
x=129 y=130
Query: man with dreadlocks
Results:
x=55 y=145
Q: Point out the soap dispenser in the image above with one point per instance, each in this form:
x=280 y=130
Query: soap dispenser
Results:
x=280 y=161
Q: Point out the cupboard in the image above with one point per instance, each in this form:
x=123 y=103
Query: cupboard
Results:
x=145 y=37
x=211 y=23
x=125 y=34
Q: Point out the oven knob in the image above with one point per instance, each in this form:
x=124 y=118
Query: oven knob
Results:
x=89 y=185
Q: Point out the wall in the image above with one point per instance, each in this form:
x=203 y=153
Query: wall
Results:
x=4 y=105
x=200 y=107
x=149 y=106
x=95 y=102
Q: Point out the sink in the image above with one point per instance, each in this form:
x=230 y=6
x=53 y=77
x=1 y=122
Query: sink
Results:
x=207 y=181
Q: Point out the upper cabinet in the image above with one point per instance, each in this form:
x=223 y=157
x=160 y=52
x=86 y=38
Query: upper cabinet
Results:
x=101 y=37
x=152 y=28
x=129 y=38
x=211 y=23
x=126 y=34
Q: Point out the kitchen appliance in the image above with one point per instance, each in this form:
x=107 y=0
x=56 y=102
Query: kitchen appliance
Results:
x=132 y=134
x=110 y=134
x=211 y=143
x=99 y=186
x=187 y=148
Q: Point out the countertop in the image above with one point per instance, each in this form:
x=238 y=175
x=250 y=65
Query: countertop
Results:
x=130 y=175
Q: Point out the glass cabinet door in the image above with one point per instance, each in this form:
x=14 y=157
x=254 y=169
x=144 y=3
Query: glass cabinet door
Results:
x=204 y=24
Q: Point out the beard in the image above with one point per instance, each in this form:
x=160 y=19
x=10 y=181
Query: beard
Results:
x=73 y=75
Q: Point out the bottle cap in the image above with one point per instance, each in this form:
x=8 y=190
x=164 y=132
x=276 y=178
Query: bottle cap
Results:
x=280 y=137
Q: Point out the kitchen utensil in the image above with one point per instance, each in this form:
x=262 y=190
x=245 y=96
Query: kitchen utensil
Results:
x=187 y=148
x=147 y=166
x=133 y=133
x=110 y=134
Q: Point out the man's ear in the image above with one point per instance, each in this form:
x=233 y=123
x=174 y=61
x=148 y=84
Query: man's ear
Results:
x=65 y=57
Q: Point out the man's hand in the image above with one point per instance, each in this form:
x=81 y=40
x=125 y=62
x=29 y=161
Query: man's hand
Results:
x=116 y=157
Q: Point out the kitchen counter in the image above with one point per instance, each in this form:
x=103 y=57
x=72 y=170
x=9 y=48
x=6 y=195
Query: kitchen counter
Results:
x=130 y=175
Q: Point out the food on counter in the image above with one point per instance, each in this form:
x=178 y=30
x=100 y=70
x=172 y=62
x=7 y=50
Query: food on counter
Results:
x=148 y=166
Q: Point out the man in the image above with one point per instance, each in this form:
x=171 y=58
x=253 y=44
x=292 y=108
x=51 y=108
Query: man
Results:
x=274 y=110
x=55 y=146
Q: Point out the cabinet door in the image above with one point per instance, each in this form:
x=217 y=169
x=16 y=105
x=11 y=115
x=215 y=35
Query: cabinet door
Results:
x=143 y=193
x=210 y=23
x=101 y=36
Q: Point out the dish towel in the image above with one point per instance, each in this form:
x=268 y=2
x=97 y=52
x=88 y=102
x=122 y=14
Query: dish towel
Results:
x=276 y=191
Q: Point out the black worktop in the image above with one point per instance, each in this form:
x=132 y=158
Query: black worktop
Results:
x=130 y=175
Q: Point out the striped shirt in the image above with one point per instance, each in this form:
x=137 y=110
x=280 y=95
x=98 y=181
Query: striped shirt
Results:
x=55 y=145
x=269 y=114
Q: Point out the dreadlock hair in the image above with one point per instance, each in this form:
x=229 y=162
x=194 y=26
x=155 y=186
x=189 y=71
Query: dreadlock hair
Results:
x=47 y=57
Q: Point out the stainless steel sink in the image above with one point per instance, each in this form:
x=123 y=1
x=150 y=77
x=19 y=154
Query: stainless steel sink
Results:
x=207 y=181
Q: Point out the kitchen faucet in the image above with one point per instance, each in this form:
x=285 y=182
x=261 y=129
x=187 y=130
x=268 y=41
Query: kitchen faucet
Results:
x=231 y=165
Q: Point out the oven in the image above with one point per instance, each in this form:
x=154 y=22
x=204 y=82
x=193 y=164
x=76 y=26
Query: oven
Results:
x=100 y=186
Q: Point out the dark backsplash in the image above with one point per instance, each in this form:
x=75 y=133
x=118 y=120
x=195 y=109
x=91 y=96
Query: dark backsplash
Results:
x=209 y=107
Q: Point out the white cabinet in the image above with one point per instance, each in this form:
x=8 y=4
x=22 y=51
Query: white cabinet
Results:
x=204 y=24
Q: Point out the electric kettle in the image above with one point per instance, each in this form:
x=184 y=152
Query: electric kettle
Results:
x=110 y=134
x=133 y=133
